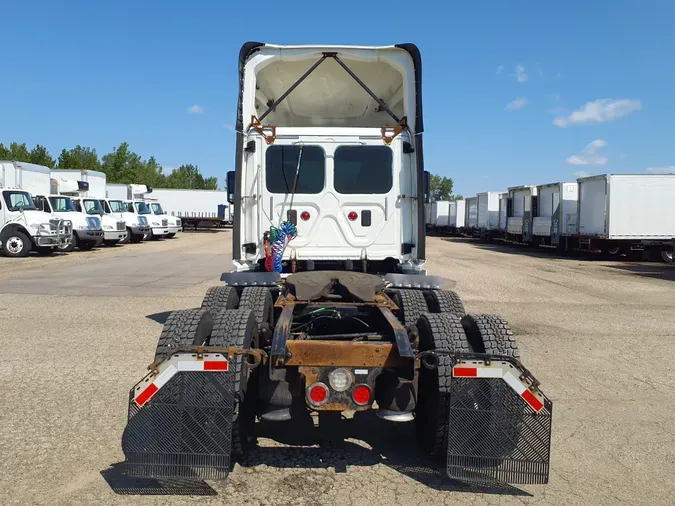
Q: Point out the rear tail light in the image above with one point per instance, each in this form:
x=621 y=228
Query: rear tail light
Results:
x=352 y=216
x=361 y=395
x=304 y=216
x=317 y=394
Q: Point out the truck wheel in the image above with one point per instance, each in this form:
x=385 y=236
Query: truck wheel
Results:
x=490 y=334
x=185 y=327
x=170 y=236
x=44 y=250
x=443 y=332
x=111 y=243
x=219 y=298
x=136 y=238
x=444 y=301
x=86 y=245
x=16 y=244
x=411 y=304
x=238 y=327
x=258 y=299
x=127 y=238
x=667 y=255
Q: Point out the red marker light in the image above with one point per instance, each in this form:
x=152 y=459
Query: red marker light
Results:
x=361 y=395
x=352 y=216
x=317 y=394
x=304 y=216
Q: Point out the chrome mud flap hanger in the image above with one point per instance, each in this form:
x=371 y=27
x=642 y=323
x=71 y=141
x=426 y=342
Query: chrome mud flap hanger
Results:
x=269 y=132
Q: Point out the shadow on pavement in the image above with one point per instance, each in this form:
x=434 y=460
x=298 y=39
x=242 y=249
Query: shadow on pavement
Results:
x=654 y=271
x=159 y=317
x=127 y=485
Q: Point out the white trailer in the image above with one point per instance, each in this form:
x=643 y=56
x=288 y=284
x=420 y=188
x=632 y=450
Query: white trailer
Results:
x=619 y=213
x=457 y=215
x=488 y=212
x=439 y=215
x=555 y=216
x=520 y=211
x=24 y=226
x=195 y=206
x=116 y=192
x=503 y=213
x=471 y=216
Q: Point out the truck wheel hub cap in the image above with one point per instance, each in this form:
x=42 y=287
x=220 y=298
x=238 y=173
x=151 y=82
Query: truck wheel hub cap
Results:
x=15 y=244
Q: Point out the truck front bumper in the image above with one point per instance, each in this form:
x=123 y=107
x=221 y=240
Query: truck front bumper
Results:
x=58 y=234
x=139 y=230
x=114 y=235
x=175 y=230
x=159 y=231
x=89 y=235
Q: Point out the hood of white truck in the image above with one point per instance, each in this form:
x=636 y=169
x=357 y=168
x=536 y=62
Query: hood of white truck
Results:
x=79 y=220
x=110 y=221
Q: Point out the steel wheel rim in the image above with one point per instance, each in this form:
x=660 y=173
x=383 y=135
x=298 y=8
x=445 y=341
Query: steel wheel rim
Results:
x=15 y=244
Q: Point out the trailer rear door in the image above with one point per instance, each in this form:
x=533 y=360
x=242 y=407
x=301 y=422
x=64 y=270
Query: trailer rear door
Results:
x=592 y=207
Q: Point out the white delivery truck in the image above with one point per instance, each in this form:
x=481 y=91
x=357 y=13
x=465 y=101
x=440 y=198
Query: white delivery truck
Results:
x=195 y=207
x=137 y=226
x=159 y=214
x=84 y=194
x=620 y=213
x=161 y=223
x=555 y=216
x=457 y=216
x=520 y=212
x=471 y=216
x=487 y=221
x=24 y=226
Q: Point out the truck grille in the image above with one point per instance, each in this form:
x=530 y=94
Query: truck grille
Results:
x=121 y=225
x=165 y=223
x=54 y=225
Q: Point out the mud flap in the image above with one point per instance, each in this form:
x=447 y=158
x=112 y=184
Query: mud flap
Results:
x=180 y=419
x=499 y=424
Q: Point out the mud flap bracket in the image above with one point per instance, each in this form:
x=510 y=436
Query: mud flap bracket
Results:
x=180 y=419
x=499 y=427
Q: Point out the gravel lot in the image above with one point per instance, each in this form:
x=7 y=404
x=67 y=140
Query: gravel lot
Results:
x=79 y=330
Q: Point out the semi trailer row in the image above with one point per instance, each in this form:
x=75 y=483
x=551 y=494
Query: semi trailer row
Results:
x=329 y=307
x=610 y=213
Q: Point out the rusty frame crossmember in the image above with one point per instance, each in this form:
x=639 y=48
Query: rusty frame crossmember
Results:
x=286 y=352
x=389 y=132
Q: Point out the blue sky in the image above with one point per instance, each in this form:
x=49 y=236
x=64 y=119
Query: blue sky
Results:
x=591 y=84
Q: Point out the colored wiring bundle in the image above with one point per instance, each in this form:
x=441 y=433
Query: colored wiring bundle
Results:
x=275 y=245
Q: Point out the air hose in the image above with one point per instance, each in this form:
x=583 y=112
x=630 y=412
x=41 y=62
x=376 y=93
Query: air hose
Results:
x=275 y=245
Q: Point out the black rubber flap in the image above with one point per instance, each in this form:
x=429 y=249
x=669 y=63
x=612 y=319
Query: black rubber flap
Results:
x=312 y=285
x=494 y=436
x=184 y=431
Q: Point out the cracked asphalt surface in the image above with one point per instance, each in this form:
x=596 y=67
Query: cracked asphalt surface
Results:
x=79 y=330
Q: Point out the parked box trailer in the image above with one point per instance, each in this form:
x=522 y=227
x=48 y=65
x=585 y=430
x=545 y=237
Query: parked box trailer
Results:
x=503 y=209
x=195 y=206
x=488 y=211
x=520 y=213
x=634 y=211
x=440 y=212
x=471 y=217
x=556 y=212
x=457 y=214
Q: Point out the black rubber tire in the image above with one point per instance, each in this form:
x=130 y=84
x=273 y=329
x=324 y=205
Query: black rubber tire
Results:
x=238 y=327
x=219 y=298
x=438 y=331
x=136 y=238
x=444 y=301
x=86 y=245
x=27 y=245
x=184 y=327
x=667 y=255
x=412 y=304
x=111 y=243
x=44 y=251
x=490 y=334
x=127 y=239
x=258 y=299
x=170 y=236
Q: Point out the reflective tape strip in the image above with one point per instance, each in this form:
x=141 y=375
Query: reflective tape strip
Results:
x=522 y=390
x=477 y=372
x=203 y=365
x=514 y=383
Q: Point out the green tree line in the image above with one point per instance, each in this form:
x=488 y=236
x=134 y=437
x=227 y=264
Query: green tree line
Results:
x=121 y=165
x=441 y=189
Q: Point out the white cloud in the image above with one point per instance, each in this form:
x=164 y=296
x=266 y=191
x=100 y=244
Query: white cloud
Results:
x=195 y=109
x=521 y=75
x=670 y=169
x=599 y=111
x=580 y=173
x=500 y=68
x=589 y=155
x=516 y=104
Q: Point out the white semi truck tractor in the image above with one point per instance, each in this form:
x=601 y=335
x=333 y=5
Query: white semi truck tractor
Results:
x=25 y=227
x=329 y=308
